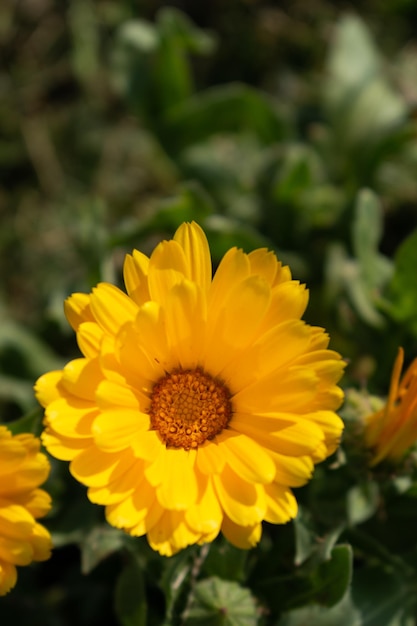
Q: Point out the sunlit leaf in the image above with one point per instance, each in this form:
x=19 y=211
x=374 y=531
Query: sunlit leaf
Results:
x=217 y=602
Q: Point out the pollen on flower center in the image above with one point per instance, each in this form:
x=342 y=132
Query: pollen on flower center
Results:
x=188 y=407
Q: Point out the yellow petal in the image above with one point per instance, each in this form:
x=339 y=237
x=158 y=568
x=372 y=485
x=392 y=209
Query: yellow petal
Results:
x=173 y=474
x=247 y=459
x=111 y=307
x=71 y=417
x=37 y=502
x=291 y=391
x=185 y=323
x=210 y=458
x=77 y=309
x=171 y=534
x=12 y=453
x=117 y=429
x=193 y=241
x=274 y=349
x=243 y=537
x=282 y=344
x=95 y=468
x=46 y=387
x=15 y=522
x=119 y=485
x=141 y=367
x=233 y=268
x=147 y=446
x=135 y=273
x=137 y=513
x=15 y=551
x=206 y=515
x=132 y=509
x=33 y=472
x=167 y=268
x=8 y=577
x=292 y=471
x=281 y=504
x=81 y=378
x=263 y=262
x=245 y=306
x=288 y=302
x=295 y=439
x=243 y=502
x=110 y=395
x=89 y=338
x=63 y=448
x=154 y=513
x=41 y=543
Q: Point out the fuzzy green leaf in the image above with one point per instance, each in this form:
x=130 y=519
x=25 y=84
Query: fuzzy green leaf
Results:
x=217 y=602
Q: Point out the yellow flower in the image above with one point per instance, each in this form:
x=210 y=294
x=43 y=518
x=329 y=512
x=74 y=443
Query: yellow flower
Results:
x=391 y=431
x=199 y=402
x=22 y=540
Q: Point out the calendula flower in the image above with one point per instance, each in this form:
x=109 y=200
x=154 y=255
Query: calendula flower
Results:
x=23 y=468
x=200 y=401
x=392 y=430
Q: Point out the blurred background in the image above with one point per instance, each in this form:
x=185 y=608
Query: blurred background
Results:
x=291 y=125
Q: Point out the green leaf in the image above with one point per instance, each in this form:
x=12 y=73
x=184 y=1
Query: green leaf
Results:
x=172 y=70
x=305 y=537
x=30 y=423
x=191 y=202
x=225 y=561
x=19 y=391
x=130 y=598
x=85 y=39
x=357 y=92
x=229 y=166
x=38 y=358
x=175 y=579
x=225 y=109
x=139 y=34
x=373 y=269
x=100 y=543
x=367 y=230
x=332 y=578
x=402 y=292
x=362 y=501
x=384 y=598
x=150 y=62
x=363 y=277
x=323 y=582
x=216 y=602
x=342 y=614
x=225 y=233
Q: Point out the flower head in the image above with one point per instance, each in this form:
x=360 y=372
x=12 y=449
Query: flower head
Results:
x=392 y=430
x=200 y=401
x=22 y=539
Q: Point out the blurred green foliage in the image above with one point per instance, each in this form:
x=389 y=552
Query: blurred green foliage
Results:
x=290 y=125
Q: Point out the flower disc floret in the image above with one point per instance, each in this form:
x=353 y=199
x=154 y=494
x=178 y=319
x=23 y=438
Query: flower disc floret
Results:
x=200 y=401
x=188 y=408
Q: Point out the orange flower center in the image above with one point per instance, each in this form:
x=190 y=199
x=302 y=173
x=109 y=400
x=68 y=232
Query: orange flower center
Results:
x=188 y=407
